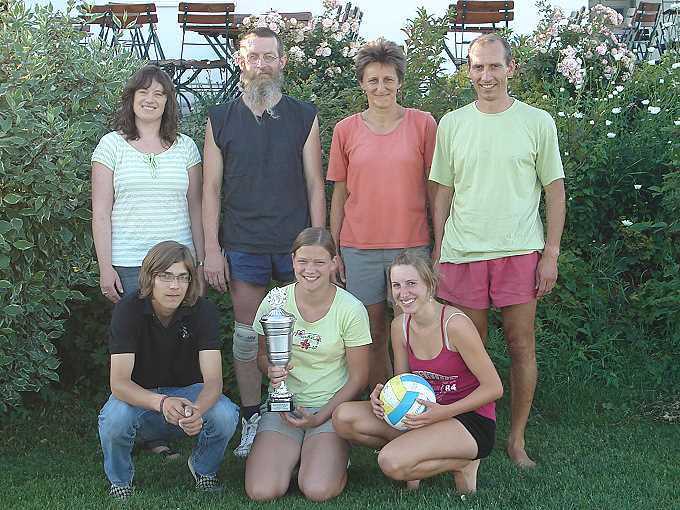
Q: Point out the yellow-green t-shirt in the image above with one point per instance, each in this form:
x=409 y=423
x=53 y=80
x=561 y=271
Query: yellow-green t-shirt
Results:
x=497 y=165
x=318 y=353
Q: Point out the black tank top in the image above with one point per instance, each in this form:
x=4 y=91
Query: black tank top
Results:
x=264 y=195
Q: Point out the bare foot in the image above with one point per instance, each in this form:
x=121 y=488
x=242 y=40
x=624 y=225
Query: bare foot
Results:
x=519 y=457
x=412 y=485
x=466 y=478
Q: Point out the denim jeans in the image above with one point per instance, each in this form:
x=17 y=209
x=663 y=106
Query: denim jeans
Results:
x=129 y=277
x=120 y=423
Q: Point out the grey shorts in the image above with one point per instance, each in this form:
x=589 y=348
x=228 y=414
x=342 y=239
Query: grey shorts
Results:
x=367 y=272
x=272 y=422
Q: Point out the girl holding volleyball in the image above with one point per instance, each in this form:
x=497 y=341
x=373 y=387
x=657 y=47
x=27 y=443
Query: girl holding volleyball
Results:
x=440 y=344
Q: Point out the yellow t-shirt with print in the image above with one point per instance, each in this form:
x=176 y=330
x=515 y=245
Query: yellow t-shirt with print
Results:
x=497 y=165
x=318 y=352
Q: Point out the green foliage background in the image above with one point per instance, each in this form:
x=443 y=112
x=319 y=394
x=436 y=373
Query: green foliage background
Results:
x=611 y=320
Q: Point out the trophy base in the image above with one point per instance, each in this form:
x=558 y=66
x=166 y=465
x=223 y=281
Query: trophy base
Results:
x=280 y=406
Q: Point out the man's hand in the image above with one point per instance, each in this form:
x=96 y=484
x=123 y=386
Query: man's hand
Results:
x=339 y=276
x=173 y=409
x=216 y=270
x=192 y=423
x=546 y=275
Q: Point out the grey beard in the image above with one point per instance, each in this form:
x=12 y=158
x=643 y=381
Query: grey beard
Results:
x=262 y=94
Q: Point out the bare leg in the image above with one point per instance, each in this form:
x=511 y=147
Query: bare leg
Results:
x=421 y=454
x=355 y=422
x=270 y=465
x=518 y=328
x=480 y=318
x=381 y=367
x=246 y=298
x=323 y=466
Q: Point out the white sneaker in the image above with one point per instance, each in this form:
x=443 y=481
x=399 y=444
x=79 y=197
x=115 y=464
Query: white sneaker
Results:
x=248 y=430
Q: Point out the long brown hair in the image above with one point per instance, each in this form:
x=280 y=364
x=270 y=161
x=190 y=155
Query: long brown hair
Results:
x=159 y=259
x=125 y=117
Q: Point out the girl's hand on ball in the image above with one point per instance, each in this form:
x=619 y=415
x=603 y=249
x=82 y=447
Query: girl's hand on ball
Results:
x=376 y=403
x=433 y=413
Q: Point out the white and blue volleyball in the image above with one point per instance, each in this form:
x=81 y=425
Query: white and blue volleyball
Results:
x=400 y=397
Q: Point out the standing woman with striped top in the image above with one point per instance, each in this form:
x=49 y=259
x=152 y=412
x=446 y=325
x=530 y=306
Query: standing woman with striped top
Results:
x=146 y=184
x=441 y=344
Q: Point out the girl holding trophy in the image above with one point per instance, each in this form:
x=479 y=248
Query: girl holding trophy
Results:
x=327 y=365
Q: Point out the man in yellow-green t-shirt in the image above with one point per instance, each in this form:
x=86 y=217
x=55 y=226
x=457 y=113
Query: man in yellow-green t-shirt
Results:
x=492 y=159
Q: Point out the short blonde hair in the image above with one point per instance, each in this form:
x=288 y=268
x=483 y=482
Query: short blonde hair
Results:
x=488 y=39
x=315 y=236
x=159 y=259
x=422 y=264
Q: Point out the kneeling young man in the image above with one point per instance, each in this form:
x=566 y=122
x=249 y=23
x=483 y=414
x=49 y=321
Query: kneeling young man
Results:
x=166 y=372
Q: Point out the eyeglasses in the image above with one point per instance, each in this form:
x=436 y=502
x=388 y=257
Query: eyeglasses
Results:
x=267 y=58
x=169 y=277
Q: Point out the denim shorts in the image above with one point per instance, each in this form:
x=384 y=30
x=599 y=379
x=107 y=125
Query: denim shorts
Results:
x=260 y=268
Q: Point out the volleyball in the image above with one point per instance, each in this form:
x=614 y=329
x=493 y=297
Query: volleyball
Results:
x=399 y=398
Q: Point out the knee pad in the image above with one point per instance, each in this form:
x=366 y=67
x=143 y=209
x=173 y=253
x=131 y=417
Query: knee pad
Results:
x=245 y=342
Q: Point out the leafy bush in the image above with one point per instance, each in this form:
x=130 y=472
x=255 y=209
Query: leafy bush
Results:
x=55 y=99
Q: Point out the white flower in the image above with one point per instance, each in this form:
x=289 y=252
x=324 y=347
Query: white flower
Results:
x=637 y=186
x=592 y=122
x=676 y=65
x=615 y=92
x=312 y=61
x=653 y=109
x=645 y=102
x=566 y=153
x=651 y=62
x=327 y=23
x=607 y=122
x=326 y=51
x=660 y=80
x=246 y=21
x=676 y=122
x=626 y=223
x=610 y=96
x=561 y=89
x=619 y=88
x=274 y=27
x=578 y=115
x=292 y=21
x=560 y=114
x=545 y=96
x=616 y=110
x=611 y=135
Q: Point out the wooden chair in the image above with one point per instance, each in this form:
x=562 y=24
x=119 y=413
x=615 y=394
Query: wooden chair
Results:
x=133 y=26
x=644 y=29
x=205 y=25
x=478 y=17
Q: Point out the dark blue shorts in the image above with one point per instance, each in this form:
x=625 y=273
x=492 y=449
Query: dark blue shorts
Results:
x=260 y=268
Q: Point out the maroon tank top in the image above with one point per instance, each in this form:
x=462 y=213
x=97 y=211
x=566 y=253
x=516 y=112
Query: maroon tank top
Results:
x=447 y=373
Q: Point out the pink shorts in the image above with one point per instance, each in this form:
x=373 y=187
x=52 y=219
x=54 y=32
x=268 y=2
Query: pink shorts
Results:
x=502 y=282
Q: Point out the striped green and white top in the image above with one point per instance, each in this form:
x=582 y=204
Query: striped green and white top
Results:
x=149 y=196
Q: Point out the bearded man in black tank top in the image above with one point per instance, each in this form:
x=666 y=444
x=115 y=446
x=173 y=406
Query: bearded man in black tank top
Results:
x=262 y=176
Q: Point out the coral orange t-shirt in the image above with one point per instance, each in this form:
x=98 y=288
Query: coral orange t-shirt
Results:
x=386 y=178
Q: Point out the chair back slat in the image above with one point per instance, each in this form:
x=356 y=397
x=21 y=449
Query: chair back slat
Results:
x=484 y=17
x=484 y=5
x=120 y=8
x=204 y=19
x=203 y=7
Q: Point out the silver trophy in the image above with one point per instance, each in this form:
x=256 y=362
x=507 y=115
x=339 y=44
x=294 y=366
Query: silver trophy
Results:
x=278 y=330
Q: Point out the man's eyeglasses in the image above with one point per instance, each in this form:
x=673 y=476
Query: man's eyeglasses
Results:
x=267 y=58
x=169 y=277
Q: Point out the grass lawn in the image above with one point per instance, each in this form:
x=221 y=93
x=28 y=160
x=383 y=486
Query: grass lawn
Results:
x=590 y=456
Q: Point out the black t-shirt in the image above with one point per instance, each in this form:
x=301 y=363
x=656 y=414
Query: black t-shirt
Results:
x=163 y=356
x=264 y=194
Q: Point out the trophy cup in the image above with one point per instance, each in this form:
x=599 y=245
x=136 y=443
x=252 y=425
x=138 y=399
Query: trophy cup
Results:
x=278 y=330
